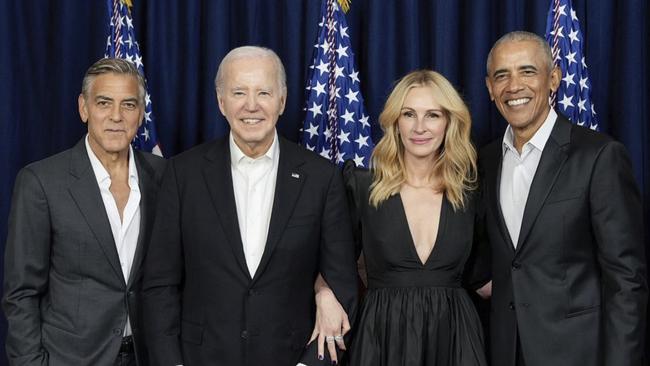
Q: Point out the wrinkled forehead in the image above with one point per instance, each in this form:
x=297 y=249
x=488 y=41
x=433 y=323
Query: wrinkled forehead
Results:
x=517 y=53
x=123 y=84
x=258 y=69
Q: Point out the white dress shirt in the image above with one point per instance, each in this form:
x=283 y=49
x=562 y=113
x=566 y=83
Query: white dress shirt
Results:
x=253 y=182
x=517 y=173
x=126 y=231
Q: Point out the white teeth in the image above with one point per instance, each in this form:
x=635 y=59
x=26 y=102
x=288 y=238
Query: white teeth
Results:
x=519 y=101
x=250 y=121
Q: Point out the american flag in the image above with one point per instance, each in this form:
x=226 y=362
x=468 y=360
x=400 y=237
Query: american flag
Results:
x=564 y=36
x=336 y=124
x=121 y=43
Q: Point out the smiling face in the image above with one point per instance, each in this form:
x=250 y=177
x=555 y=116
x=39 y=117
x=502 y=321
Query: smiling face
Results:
x=519 y=83
x=422 y=124
x=252 y=100
x=113 y=112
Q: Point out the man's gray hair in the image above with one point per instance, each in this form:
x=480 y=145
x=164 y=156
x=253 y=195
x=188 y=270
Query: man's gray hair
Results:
x=112 y=66
x=251 y=52
x=518 y=36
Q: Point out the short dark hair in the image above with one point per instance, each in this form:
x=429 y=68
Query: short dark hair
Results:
x=112 y=66
x=518 y=36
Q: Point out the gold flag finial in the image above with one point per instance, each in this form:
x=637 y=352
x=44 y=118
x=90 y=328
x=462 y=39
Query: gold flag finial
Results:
x=128 y=3
x=345 y=5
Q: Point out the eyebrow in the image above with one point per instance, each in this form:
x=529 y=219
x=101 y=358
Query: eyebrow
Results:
x=527 y=67
x=103 y=97
x=242 y=87
x=428 y=110
x=520 y=68
x=499 y=72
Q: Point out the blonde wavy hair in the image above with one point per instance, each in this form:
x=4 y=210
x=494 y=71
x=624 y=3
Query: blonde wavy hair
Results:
x=455 y=165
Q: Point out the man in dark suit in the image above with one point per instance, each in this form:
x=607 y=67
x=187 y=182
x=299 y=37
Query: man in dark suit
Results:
x=244 y=226
x=78 y=224
x=564 y=221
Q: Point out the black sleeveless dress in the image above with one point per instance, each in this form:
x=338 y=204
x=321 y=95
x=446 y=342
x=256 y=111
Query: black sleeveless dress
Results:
x=414 y=314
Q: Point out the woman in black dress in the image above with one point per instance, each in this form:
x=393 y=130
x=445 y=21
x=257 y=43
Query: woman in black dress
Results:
x=415 y=215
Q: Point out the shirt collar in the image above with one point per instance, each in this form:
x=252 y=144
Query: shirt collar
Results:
x=538 y=140
x=237 y=156
x=100 y=172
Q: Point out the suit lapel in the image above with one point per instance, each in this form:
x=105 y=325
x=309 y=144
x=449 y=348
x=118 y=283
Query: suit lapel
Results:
x=494 y=181
x=287 y=190
x=499 y=214
x=550 y=164
x=146 y=183
x=85 y=192
x=218 y=178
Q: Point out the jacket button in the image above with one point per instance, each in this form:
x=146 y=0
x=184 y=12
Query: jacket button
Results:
x=511 y=306
x=252 y=292
x=516 y=265
x=117 y=331
x=244 y=334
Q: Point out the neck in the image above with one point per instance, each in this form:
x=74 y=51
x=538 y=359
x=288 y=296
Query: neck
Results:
x=254 y=150
x=419 y=172
x=112 y=161
x=521 y=135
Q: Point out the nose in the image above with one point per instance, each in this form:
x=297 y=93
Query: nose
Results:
x=251 y=102
x=515 y=84
x=418 y=127
x=116 y=113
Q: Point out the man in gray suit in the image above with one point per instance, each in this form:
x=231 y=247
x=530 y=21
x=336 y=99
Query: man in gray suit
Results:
x=78 y=225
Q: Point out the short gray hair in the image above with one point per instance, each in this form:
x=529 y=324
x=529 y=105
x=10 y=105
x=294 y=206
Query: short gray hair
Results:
x=112 y=66
x=518 y=36
x=251 y=52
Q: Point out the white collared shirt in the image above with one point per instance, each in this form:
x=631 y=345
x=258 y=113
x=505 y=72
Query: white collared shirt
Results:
x=517 y=173
x=126 y=231
x=253 y=182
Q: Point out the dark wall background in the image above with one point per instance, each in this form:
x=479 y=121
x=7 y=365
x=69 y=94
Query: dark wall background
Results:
x=46 y=46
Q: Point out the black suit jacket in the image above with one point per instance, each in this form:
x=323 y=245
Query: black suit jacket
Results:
x=574 y=291
x=65 y=297
x=201 y=305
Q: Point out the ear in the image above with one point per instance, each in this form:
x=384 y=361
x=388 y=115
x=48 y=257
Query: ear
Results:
x=220 y=102
x=83 y=108
x=141 y=118
x=283 y=100
x=556 y=76
x=488 y=84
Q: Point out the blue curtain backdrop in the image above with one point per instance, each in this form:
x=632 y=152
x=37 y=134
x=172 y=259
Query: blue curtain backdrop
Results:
x=46 y=46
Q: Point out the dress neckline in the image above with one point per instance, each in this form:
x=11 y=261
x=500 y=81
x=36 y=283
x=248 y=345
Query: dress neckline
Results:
x=441 y=227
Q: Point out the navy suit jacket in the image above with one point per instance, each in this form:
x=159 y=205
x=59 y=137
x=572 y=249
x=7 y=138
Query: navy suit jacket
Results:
x=202 y=307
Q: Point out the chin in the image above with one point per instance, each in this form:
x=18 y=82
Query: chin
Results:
x=518 y=123
x=251 y=139
x=422 y=154
x=116 y=148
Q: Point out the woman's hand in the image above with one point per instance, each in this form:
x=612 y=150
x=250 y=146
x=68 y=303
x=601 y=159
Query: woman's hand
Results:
x=331 y=321
x=485 y=292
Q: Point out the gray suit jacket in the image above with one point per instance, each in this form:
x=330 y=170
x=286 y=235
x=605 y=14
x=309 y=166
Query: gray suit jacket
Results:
x=65 y=297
